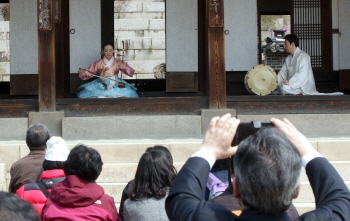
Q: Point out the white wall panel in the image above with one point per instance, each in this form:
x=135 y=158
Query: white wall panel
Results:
x=181 y=35
x=24 y=37
x=344 y=38
x=241 y=44
x=85 y=44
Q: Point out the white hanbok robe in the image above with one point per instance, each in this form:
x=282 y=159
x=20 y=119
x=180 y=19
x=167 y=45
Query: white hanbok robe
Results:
x=298 y=72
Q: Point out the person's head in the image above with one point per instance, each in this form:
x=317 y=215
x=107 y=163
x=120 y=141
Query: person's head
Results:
x=84 y=162
x=291 y=42
x=154 y=175
x=13 y=208
x=37 y=136
x=56 y=153
x=108 y=50
x=164 y=150
x=267 y=169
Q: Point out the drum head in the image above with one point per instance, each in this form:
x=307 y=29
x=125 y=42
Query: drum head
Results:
x=261 y=80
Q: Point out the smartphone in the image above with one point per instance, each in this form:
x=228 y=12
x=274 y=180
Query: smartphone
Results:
x=245 y=129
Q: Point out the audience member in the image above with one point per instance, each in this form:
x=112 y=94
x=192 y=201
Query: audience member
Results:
x=51 y=174
x=27 y=169
x=267 y=170
x=13 y=208
x=230 y=202
x=78 y=197
x=218 y=180
x=130 y=186
x=154 y=176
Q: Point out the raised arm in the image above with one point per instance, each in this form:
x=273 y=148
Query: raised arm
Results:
x=93 y=68
x=282 y=74
x=331 y=194
x=186 y=198
x=125 y=68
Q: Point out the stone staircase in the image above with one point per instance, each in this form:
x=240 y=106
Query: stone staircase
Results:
x=121 y=140
x=120 y=159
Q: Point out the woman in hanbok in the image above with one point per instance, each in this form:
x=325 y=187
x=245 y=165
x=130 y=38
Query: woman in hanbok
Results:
x=108 y=68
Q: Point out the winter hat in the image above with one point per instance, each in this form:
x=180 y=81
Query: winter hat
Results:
x=57 y=149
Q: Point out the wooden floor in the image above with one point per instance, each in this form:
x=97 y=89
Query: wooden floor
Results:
x=180 y=105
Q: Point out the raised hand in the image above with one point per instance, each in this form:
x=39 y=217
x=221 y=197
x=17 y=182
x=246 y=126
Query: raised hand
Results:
x=297 y=138
x=219 y=136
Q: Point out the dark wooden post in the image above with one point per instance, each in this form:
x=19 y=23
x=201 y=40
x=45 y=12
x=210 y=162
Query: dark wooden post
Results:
x=46 y=38
x=216 y=54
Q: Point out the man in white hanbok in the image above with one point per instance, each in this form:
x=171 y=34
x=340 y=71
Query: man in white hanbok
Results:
x=296 y=76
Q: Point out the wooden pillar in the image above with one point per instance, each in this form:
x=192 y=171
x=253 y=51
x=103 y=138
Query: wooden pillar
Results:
x=216 y=54
x=46 y=38
x=62 y=54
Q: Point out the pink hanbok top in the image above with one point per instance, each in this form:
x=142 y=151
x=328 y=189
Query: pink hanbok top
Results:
x=99 y=65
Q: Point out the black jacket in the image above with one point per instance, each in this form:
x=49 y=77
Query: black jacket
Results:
x=186 y=197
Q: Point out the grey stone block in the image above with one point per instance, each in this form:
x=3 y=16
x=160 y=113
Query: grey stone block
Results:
x=335 y=149
x=127 y=6
x=117 y=172
x=155 y=33
x=208 y=114
x=145 y=76
x=9 y=154
x=158 y=24
x=52 y=120
x=144 y=66
x=182 y=151
x=126 y=127
x=2 y=173
x=115 y=190
x=311 y=124
x=131 y=24
x=13 y=128
x=149 y=15
x=158 y=43
x=154 y=6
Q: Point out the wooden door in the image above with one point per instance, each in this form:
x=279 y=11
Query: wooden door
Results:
x=312 y=24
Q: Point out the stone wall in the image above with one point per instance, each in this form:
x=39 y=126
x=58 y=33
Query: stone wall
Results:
x=275 y=59
x=142 y=24
x=4 y=50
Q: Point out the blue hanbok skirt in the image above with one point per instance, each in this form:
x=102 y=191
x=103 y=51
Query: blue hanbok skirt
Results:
x=95 y=89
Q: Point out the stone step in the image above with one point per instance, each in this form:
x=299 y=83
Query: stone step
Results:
x=131 y=127
x=130 y=150
x=174 y=126
x=318 y=125
x=301 y=207
x=121 y=172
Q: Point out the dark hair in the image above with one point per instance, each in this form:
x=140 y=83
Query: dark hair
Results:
x=84 y=162
x=53 y=165
x=37 y=136
x=163 y=150
x=13 y=208
x=154 y=175
x=267 y=170
x=292 y=38
x=108 y=43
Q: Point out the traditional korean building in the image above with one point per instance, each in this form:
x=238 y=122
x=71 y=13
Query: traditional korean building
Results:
x=210 y=46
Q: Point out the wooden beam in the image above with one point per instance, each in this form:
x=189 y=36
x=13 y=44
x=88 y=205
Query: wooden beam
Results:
x=62 y=50
x=216 y=54
x=46 y=40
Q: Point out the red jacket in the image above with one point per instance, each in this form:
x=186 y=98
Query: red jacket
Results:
x=32 y=193
x=77 y=199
